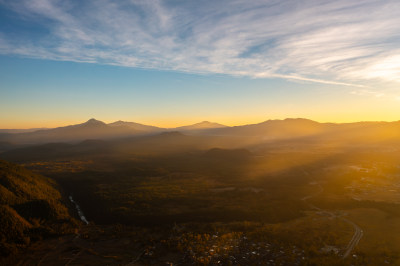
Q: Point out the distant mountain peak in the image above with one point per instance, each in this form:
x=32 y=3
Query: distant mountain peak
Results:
x=300 y=119
x=202 y=125
x=118 y=123
x=206 y=123
x=93 y=121
x=134 y=125
x=290 y=120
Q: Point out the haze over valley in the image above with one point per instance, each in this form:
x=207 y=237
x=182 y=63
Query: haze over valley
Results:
x=226 y=132
x=207 y=192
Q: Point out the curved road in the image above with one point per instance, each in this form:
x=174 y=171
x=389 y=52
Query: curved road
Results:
x=358 y=232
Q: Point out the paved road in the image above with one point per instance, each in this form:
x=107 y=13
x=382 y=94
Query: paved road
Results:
x=358 y=232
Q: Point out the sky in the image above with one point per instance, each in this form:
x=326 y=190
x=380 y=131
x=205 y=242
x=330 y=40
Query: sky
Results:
x=172 y=62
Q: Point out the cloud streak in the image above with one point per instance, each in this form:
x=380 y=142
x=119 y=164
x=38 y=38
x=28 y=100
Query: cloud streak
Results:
x=330 y=42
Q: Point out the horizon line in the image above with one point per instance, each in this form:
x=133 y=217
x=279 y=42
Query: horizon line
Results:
x=107 y=122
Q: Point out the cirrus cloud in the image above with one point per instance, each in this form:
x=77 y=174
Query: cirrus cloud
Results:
x=333 y=42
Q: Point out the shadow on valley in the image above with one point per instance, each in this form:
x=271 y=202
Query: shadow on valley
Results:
x=31 y=208
x=232 y=196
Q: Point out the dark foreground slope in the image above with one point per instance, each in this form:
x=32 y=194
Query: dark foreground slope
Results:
x=31 y=208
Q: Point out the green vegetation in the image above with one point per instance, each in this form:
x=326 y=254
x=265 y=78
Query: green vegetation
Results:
x=179 y=199
x=31 y=208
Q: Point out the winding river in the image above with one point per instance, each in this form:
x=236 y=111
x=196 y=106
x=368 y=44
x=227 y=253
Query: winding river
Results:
x=80 y=212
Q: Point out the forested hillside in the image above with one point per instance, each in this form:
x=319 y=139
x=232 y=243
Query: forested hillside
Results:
x=31 y=208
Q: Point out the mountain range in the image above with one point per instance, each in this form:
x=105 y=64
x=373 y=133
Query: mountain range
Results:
x=92 y=129
x=269 y=130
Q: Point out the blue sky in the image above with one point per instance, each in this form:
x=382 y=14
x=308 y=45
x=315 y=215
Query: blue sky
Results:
x=177 y=62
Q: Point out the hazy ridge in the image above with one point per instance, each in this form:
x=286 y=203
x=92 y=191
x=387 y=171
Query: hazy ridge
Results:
x=270 y=129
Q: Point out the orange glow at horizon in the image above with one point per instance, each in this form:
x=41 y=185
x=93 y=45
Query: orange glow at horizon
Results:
x=172 y=123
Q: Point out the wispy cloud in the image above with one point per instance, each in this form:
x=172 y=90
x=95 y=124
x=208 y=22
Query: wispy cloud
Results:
x=333 y=42
x=364 y=92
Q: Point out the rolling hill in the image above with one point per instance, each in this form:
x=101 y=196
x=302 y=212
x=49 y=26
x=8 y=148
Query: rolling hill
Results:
x=269 y=130
x=31 y=208
x=205 y=125
x=92 y=129
x=294 y=128
x=136 y=126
